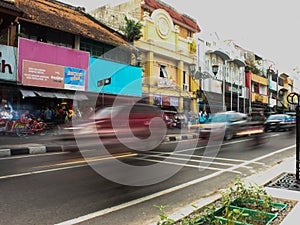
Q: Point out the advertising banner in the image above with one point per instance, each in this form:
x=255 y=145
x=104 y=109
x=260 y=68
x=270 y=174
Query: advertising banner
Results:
x=174 y=101
x=157 y=100
x=114 y=78
x=8 y=63
x=166 y=100
x=51 y=66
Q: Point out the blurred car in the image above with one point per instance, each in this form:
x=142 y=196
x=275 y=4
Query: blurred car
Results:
x=113 y=123
x=280 y=122
x=234 y=123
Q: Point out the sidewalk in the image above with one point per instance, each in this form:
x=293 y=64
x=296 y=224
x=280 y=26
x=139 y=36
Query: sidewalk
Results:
x=262 y=178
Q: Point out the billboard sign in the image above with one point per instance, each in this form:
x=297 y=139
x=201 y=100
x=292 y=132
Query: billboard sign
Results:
x=114 y=78
x=8 y=63
x=51 y=66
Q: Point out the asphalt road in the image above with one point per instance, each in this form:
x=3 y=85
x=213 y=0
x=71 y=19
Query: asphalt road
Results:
x=62 y=188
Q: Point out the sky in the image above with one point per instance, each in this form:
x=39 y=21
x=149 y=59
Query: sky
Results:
x=269 y=28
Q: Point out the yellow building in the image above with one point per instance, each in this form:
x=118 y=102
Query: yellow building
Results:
x=167 y=49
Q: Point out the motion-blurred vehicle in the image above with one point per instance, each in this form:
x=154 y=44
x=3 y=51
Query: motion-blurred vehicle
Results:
x=120 y=121
x=231 y=124
x=280 y=122
x=169 y=118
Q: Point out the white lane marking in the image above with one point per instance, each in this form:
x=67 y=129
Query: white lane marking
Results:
x=185 y=165
x=205 y=157
x=190 y=160
x=160 y=193
x=39 y=172
x=65 y=168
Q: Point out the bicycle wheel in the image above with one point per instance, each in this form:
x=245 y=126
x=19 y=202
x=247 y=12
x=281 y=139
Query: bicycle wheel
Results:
x=21 y=129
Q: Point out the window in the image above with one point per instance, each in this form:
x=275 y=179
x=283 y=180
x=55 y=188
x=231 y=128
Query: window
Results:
x=189 y=33
x=163 y=72
x=281 y=82
x=47 y=35
x=102 y=50
x=255 y=88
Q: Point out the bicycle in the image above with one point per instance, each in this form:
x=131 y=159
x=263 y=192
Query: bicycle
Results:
x=33 y=127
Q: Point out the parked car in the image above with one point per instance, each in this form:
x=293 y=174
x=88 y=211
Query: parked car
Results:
x=234 y=123
x=280 y=122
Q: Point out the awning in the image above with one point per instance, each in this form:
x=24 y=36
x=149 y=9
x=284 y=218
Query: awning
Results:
x=45 y=94
x=60 y=95
x=77 y=96
x=27 y=93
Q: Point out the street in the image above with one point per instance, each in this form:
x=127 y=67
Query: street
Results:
x=62 y=188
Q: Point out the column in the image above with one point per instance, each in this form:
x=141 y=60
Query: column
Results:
x=149 y=75
x=180 y=82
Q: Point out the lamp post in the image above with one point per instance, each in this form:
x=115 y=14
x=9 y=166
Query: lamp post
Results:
x=215 y=69
x=293 y=98
x=192 y=69
x=269 y=75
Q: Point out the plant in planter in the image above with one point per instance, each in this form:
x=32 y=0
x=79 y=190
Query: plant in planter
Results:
x=239 y=205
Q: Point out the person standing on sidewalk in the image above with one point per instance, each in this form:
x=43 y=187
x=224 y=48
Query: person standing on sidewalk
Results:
x=48 y=115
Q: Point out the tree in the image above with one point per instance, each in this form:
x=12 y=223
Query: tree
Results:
x=132 y=29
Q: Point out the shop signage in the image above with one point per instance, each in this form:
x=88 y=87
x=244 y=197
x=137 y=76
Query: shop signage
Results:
x=166 y=100
x=174 y=101
x=165 y=82
x=53 y=76
x=8 y=63
x=46 y=65
x=121 y=79
x=157 y=100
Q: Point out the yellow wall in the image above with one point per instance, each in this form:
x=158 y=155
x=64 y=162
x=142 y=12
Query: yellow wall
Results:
x=260 y=79
x=259 y=98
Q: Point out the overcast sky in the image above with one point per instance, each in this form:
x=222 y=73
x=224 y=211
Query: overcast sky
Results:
x=267 y=27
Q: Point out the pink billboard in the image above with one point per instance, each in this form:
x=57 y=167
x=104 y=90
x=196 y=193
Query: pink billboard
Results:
x=46 y=65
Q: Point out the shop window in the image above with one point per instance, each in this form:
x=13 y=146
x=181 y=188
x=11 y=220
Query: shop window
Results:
x=163 y=72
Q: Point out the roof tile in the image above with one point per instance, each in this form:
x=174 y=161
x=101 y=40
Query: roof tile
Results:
x=67 y=19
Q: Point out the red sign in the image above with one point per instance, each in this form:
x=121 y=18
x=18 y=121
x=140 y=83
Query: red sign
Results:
x=166 y=100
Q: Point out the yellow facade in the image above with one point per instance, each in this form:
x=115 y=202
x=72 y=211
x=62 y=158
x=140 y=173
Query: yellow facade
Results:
x=260 y=79
x=162 y=46
x=259 y=98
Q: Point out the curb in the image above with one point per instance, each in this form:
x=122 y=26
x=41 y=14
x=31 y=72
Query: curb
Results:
x=32 y=150
x=171 y=138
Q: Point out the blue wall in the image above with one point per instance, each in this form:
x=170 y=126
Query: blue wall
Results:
x=125 y=79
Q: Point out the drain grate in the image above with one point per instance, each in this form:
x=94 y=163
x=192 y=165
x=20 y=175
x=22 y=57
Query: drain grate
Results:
x=286 y=181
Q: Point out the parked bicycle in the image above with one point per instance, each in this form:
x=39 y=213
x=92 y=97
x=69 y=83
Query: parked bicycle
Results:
x=33 y=127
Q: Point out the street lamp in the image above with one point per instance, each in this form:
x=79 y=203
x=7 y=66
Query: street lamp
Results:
x=215 y=69
x=192 y=69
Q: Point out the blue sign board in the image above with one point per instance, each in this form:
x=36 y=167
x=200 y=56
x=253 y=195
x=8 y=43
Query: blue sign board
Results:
x=123 y=79
x=74 y=78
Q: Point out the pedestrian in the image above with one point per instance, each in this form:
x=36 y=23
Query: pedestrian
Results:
x=48 y=115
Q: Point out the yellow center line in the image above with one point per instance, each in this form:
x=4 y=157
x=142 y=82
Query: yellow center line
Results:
x=91 y=159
